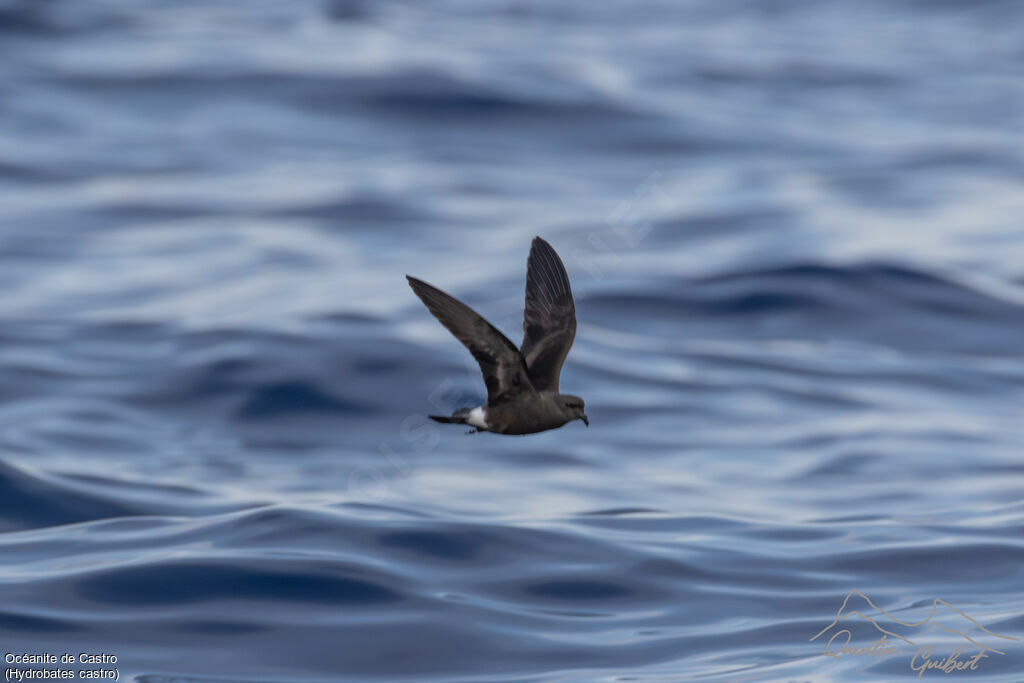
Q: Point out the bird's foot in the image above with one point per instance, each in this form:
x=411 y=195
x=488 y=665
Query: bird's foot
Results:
x=472 y=431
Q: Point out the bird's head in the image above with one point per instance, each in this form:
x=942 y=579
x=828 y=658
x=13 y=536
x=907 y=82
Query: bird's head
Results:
x=573 y=406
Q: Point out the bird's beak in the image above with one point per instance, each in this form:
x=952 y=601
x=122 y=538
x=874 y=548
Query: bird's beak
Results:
x=585 y=420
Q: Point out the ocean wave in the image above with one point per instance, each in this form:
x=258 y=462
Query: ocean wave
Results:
x=797 y=280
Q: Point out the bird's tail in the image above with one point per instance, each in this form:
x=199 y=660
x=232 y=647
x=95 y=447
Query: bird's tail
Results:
x=448 y=420
x=458 y=417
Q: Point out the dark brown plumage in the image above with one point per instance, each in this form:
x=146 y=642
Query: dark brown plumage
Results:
x=522 y=384
x=549 y=320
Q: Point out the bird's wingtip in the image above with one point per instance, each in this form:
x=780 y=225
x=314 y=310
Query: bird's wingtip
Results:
x=415 y=283
x=540 y=243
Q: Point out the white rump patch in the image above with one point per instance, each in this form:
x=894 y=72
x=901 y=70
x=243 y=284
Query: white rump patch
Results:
x=476 y=417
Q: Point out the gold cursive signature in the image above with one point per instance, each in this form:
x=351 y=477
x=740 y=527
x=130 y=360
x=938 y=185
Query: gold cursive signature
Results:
x=879 y=648
x=947 y=665
x=838 y=644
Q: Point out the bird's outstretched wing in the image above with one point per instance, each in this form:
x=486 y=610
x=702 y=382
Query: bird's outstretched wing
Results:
x=549 y=320
x=500 y=361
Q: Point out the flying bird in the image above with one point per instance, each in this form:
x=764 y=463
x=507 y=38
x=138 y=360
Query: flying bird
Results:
x=522 y=384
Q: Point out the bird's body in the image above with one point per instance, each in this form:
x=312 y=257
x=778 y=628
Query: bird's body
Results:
x=522 y=384
x=536 y=414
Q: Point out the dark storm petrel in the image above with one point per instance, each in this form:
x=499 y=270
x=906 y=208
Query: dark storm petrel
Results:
x=522 y=384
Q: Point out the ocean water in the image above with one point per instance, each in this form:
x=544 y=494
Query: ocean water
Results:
x=794 y=232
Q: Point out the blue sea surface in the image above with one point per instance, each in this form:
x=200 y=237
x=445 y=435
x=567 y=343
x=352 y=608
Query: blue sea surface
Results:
x=795 y=234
